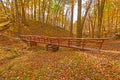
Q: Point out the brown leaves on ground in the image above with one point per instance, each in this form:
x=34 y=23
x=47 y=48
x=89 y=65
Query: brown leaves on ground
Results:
x=62 y=65
x=18 y=62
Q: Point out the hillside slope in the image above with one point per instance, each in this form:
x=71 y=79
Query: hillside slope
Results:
x=34 y=27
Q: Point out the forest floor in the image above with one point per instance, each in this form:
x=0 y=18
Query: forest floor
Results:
x=20 y=62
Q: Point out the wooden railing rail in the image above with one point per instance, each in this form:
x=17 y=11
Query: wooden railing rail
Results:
x=79 y=43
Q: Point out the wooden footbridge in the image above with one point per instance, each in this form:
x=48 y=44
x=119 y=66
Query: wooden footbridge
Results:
x=53 y=43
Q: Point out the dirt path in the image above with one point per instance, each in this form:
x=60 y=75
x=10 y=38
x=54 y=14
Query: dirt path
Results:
x=111 y=45
x=110 y=51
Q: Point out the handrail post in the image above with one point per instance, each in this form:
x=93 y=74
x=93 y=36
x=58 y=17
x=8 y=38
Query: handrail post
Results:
x=101 y=44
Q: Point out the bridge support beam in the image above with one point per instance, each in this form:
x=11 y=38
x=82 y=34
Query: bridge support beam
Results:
x=52 y=48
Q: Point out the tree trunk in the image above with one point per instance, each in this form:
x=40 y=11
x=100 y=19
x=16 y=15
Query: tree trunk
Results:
x=43 y=13
x=39 y=12
x=23 y=12
x=87 y=9
x=48 y=12
x=79 y=26
x=100 y=16
x=71 y=24
x=34 y=9
x=18 y=18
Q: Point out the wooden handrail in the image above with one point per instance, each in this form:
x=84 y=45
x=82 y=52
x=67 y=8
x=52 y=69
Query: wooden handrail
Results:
x=62 y=41
x=72 y=38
